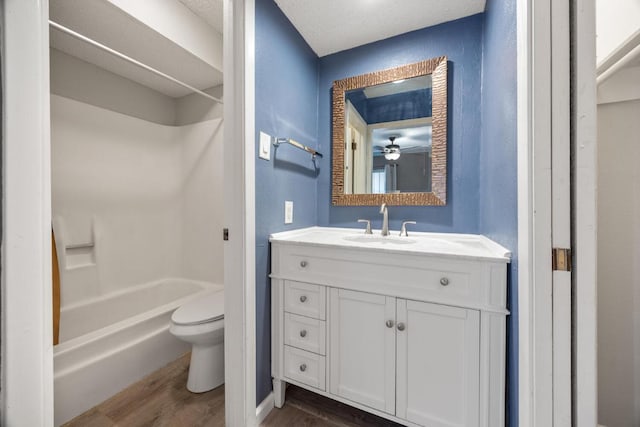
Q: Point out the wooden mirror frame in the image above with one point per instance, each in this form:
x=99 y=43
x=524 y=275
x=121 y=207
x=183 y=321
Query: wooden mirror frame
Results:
x=437 y=67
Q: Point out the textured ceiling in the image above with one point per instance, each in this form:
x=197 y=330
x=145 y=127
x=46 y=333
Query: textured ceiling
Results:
x=209 y=10
x=331 y=26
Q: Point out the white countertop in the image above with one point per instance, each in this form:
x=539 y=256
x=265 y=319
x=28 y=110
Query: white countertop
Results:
x=468 y=246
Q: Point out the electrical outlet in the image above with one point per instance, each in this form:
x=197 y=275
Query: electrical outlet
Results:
x=265 y=146
x=288 y=212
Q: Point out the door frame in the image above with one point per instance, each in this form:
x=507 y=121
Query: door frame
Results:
x=27 y=325
x=561 y=209
x=239 y=253
x=27 y=349
x=535 y=323
x=534 y=214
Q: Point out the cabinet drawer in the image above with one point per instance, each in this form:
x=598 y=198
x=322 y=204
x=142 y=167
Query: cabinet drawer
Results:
x=302 y=366
x=408 y=276
x=305 y=333
x=305 y=299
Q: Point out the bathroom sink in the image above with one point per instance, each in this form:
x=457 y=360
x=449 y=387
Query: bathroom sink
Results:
x=368 y=238
x=442 y=244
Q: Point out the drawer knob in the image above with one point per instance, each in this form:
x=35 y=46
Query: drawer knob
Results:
x=303 y=333
x=303 y=298
x=303 y=367
x=389 y=323
x=444 y=281
x=303 y=264
x=401 y=326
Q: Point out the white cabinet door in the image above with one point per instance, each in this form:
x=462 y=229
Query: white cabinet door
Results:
x=438 y=364
x=362 y=348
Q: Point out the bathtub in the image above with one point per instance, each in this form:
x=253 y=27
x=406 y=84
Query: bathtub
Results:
x=111 y=342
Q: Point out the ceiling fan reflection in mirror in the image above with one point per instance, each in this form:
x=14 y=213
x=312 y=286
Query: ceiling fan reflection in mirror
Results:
x=392 y=150
x=405 y=137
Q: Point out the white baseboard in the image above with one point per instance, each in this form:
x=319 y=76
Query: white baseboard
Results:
x=264 y=408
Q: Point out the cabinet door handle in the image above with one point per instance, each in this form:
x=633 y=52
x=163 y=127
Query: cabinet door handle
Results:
x=303 y=298
x=303 y=264
x=389 y=323
x=303 y=367
x=444 y=281
x=401 y=326
x=303 y=333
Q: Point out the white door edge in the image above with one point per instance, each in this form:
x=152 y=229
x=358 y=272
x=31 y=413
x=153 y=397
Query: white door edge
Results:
x=239 y=258
x=561 y=209
x=535 y=401
x=535 y=373
x=585 y=399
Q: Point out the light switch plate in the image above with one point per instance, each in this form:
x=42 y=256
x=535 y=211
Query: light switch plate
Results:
x=288 y=212
x=265 y=146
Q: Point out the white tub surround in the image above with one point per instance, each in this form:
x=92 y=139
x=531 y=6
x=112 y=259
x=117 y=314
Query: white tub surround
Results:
x=409 y=328
x=133 y=201
x=116 y=340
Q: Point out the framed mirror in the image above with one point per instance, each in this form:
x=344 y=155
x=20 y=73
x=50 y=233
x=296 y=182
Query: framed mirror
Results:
x=390 y=136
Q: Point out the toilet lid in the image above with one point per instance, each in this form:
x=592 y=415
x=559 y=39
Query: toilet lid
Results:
x=204 y=308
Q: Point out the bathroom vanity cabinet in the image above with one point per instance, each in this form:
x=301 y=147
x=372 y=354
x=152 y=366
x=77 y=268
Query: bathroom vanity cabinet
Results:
x=412 y=330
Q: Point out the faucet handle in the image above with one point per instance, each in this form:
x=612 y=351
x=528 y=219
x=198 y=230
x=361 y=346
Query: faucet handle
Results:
x=403 y=229
x=368 y=229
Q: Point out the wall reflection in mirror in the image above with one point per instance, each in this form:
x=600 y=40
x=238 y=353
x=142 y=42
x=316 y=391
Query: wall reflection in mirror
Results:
x=388 y=137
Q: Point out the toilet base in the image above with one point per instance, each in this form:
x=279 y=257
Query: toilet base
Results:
x=206 y=369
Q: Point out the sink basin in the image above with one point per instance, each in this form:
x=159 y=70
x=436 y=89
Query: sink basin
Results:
x=368 y=238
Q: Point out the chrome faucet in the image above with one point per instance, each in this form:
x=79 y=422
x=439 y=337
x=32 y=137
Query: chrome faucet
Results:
x=368 y=229
x=403 y=229
x=385 y=220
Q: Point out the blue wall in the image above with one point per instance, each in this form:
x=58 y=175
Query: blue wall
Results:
x=293 y=99
x=461 y=42
x=401 y=106
x=498 y=161
x=286 y=106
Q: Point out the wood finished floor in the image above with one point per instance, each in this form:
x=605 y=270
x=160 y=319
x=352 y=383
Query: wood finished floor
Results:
x=161 y=399
x=306 y=409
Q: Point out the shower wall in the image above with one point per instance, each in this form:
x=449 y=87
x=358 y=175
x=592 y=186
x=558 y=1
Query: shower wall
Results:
x=116 y=186
x=200 y=134
x=201 y=191
x=134 y=200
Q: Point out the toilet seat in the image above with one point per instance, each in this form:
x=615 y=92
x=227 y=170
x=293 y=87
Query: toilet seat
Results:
x=204 y=309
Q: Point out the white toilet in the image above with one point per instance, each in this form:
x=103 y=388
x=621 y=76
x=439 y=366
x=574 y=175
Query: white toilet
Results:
x=201 y=323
